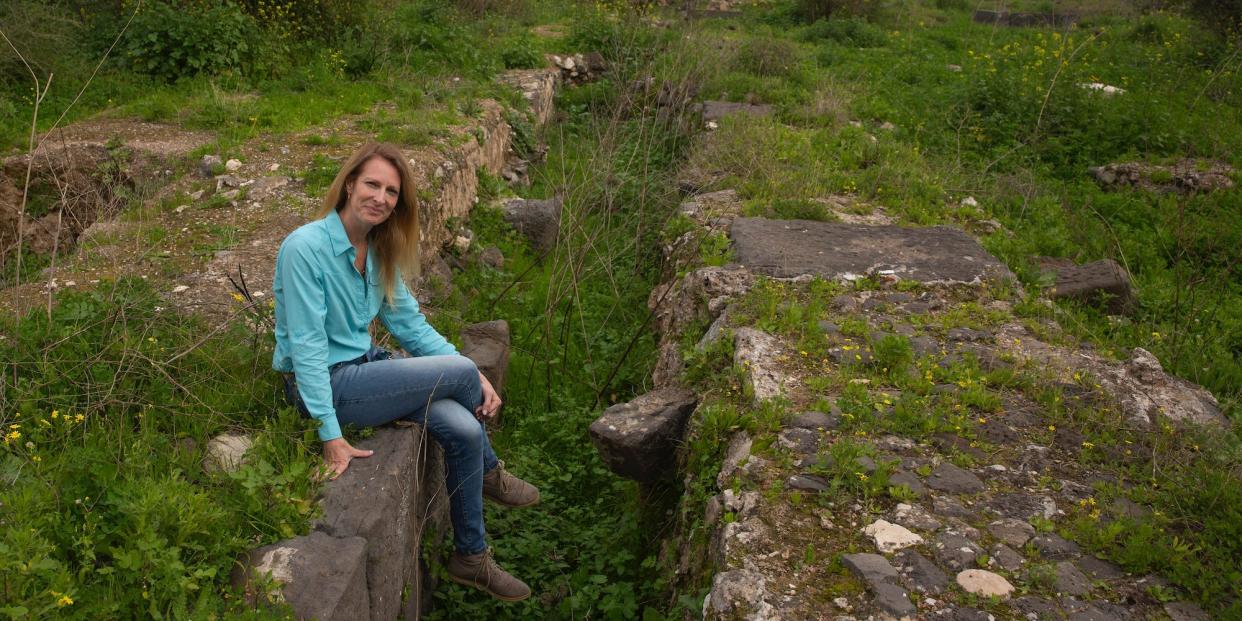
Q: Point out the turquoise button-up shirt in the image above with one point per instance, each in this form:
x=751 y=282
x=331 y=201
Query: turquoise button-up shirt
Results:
x=323 y=309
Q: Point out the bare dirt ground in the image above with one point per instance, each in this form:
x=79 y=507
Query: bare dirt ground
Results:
x=185 y=229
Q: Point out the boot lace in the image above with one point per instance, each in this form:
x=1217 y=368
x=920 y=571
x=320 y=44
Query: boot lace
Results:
x=502 y=478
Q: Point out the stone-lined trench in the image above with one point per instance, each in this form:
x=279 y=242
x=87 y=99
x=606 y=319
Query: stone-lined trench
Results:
x=974 y=533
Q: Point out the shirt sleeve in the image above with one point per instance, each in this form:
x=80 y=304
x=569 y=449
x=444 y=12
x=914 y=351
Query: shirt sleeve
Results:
x=406 y=322
x=305 y=320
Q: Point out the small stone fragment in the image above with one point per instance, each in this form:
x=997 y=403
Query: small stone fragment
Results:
x=1102 y=282
x=950 y=507
x=233 y=165
x=816 y=420
x=207 y=166
x=1006 y=557
x=1012 y=531
x=872 y=569
x=950 y=478
x=492 y=257
x=894 y=600
x=956 y=552
x=226 y=452
x=798 y=440
x=921 y=573
x=1099 y=569
x=909 y=481
x=985 y=583
x=972 y=614
x=890 y=537
x=1053 y=546
x=914 y=516
x=1070 y=580
x=807 y=483
x=1185 y=611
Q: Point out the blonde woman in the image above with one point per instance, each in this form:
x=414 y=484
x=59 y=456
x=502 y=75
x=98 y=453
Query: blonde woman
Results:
x=333 y=277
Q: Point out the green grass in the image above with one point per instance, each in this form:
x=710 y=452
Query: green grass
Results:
x=105 y=425
x=576 y=318
x=155 y=535
x=1013 y=129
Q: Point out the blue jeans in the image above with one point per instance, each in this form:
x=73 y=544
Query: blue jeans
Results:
x=440 y=393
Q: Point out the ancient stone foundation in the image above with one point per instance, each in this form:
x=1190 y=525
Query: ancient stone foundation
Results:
x=963 y=533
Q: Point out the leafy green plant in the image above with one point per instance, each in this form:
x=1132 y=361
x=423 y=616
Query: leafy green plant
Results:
x=171 y=42
x=98 y=410
x=520 y=52
x=855 y=32
x=767 y=57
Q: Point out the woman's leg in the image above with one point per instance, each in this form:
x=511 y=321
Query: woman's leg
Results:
x=381 y=391
x=463 y=439
x=440 y=392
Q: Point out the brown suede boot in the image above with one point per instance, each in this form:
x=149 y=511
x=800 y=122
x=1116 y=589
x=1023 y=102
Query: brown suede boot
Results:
x=503 y=488
x=481 y=572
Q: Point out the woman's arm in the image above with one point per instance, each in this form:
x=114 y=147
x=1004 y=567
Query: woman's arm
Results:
x=300 y=293
x=404 y=320
x=301 y=323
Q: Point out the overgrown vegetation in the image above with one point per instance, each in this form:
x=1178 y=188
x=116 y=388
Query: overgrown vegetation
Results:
x=105 y=403
x=940 y=109
x=577 y=317
x=107 y=510
x=140 y=410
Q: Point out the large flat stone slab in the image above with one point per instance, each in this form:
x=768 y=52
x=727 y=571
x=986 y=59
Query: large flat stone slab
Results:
x=487 y=344
x=375 y=501
x=319 y=576
x=637 y=440
x=933 y=255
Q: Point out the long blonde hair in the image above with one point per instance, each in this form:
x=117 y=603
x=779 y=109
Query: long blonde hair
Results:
x=396 y=240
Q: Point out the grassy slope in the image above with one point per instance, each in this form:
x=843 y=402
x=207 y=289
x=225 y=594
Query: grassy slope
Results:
x=1013 y=129
x=101 y=458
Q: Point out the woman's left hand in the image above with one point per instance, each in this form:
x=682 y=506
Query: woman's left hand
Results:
x=491 y=401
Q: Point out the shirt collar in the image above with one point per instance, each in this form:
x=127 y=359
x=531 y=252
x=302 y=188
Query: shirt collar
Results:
x=336 y=233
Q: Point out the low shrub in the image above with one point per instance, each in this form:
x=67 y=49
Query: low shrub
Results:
x=1223 y=16
x=767 y=57
x=853 y=31
x=105 y=509
x=812 y=10
x=171 y=42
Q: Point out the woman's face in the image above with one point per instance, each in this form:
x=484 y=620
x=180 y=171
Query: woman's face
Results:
x=373 y=194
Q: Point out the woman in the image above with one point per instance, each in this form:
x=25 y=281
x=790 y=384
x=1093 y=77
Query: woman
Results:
x=333 y=277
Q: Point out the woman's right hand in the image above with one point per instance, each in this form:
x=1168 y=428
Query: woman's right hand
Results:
x=337 y=454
